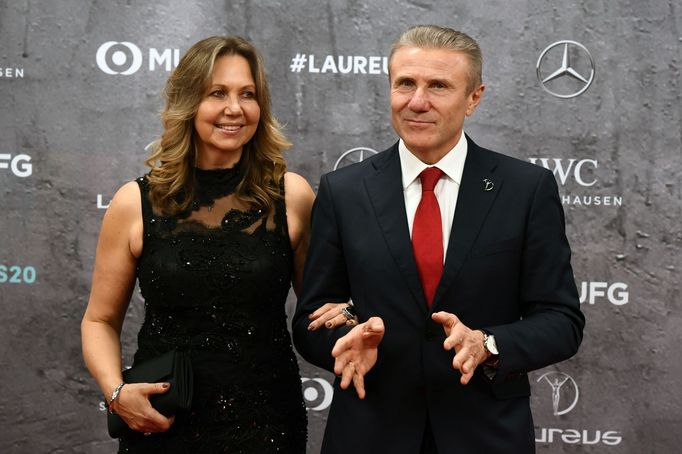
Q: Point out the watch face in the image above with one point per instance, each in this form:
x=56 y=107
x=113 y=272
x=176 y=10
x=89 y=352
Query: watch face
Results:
x=491 y=345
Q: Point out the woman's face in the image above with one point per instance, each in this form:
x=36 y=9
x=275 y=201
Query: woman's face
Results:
x=228 y=114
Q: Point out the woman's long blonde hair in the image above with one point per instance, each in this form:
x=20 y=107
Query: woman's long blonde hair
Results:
x=174 y=155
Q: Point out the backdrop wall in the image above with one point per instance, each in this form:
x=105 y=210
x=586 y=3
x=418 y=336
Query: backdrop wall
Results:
x=80 y=87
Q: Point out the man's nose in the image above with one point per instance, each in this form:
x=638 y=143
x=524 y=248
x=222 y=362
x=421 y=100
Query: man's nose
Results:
x=419 y=101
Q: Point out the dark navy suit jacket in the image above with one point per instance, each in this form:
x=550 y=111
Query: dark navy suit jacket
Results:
x=507 y=271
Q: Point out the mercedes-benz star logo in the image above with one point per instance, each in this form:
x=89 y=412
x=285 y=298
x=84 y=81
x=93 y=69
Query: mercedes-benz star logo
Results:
x=570 y=79
x=559 y=380
x=352 y=156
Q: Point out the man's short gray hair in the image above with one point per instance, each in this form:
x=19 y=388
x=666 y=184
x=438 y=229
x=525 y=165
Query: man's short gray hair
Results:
x=436 y=37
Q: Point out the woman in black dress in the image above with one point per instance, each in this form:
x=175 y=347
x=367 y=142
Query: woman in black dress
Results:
x=216 y=232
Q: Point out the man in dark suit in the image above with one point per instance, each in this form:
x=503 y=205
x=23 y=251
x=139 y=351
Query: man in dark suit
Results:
x=457 y=263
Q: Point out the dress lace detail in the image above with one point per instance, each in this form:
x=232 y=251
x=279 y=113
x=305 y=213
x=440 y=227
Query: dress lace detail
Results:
x=215 y=280
x=216 y=184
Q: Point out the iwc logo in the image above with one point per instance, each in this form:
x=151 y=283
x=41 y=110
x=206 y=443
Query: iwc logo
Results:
x=564 y=386
x=565 y=69
x=353 y=155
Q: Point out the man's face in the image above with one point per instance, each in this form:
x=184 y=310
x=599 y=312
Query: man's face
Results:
x=430 y=98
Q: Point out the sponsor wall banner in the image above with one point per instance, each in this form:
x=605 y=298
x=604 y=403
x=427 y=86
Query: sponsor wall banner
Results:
x=591 y=98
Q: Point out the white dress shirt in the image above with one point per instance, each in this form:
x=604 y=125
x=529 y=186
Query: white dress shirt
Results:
x=446 y=190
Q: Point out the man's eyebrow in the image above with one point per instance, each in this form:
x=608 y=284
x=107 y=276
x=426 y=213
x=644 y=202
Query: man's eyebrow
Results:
x=439 y=81
x=403 y=78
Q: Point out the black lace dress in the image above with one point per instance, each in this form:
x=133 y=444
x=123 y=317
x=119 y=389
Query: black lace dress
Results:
x=215 y=281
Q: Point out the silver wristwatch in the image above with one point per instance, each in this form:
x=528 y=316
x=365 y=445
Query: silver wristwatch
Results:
x=489 y=344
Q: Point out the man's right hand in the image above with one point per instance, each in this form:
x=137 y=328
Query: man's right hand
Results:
x=356 y=353
x=133 y=406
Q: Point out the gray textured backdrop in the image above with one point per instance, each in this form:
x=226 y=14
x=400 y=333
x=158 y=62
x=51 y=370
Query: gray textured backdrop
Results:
x=71 y=134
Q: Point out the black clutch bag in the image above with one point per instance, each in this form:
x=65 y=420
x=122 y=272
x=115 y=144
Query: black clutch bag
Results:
x=173 y=367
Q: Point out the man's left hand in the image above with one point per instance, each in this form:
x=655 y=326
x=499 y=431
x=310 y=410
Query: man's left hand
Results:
x=468 y=344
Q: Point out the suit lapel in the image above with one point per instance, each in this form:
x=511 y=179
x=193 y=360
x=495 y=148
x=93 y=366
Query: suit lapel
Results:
x=474 y=200
x=385 y=191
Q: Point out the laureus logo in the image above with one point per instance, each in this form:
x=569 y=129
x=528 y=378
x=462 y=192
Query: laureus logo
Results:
x=565 y=69
x=565 y=391
x=353 y=155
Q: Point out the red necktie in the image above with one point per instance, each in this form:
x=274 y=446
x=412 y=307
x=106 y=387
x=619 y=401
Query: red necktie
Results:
x=427 y=235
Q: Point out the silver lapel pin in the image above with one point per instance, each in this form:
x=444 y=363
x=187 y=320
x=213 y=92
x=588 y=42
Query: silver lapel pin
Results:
x=488 y=185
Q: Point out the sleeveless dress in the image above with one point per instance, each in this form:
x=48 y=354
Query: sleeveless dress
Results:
x=215 y=280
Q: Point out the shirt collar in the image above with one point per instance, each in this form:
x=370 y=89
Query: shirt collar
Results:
x=452 y=164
